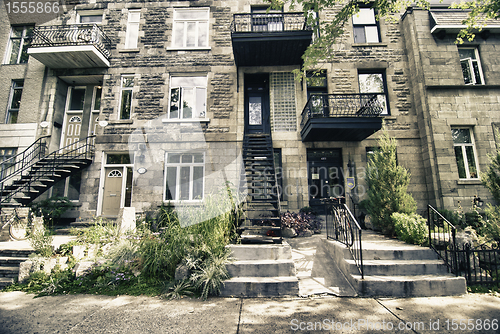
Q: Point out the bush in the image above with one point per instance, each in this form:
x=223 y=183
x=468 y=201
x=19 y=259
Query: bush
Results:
x=490 y=227
x=411 y=229
x=51 y=209
x=41 y=239
x=387 y=186
x=301 y=222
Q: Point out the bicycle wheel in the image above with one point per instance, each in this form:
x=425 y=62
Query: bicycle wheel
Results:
x=18 y=230
x=349 y=235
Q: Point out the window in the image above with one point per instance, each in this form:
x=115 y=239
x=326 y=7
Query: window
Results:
x=188 y=97
x=471 y=66
x=127 y=85
x=90 y=17
x=184 y=176
x=134 y=17
x=17 y=50
x=374 y=82
x=365 y=26
x=5 y=163
x=283 y=107
x=190 y=28
x=317 y=87
x=16 y=91
x=465 y=153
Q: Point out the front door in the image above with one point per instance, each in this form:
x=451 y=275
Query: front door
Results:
x=257 y=103
x=73 y=116
x=326 y=177
x=113 y=184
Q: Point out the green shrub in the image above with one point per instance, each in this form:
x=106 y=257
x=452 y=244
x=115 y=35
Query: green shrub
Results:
x=211 y=274
x=411 y=229
x=51 y=209
x=387 y=186
x=41 y=240
x=490 y=227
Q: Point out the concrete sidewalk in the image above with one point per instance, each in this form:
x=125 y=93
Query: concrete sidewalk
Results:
x=21 y=313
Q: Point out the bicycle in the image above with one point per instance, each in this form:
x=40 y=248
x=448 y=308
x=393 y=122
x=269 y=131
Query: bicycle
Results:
x=344 y=228
x=19 y=226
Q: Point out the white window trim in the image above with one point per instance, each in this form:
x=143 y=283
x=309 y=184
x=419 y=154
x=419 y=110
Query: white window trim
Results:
x=133 y=24
x=192 y=119
x=8 y=52
x=89 y=13
x=464 y=154
x=131 y=97
x=471 y=68
x=190 y=48
x=364 y=25
x=191 y=183
x=11 y=97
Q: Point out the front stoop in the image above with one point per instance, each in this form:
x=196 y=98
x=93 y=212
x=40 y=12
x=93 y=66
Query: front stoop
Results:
x=261 y=271
x=393 y=268
x=9 y=265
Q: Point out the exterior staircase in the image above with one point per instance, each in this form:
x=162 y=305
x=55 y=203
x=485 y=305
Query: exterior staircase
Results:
x=261 y=222
x=9 y=265
x=261 y=271
x=393 y=268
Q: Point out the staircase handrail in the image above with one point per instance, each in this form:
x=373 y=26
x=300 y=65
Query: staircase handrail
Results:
x=442 y=239
x=23 y=160
x=342 y=226
x=74 y=150
x=278 y=194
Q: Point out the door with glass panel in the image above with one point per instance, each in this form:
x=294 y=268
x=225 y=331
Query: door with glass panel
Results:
x=257 y=103
x=117 y=192
x=73 y=116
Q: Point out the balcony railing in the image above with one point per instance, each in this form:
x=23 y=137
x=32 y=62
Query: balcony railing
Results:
x=270 y=22
x=342 y=105
x=72 y=35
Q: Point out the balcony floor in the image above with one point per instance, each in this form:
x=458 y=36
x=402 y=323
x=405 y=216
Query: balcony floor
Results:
x=340 y=128
x=79 y=56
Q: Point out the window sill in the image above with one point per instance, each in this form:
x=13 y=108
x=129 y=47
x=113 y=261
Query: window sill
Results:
x=185 y=203
x=191 y=120
x=122 y=121
x=136 y=50
x=469 y=182
x=361 y=45
x=171 y=48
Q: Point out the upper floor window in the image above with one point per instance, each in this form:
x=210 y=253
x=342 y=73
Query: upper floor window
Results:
x=374 y=82
x=471 y=66
x=132 y=36
x=365 y=26
x=17 y=50
x=190 y=28
x=90 y=17
x=16 y=91
x=127 y=86
x=465 y=153
x=188 y=97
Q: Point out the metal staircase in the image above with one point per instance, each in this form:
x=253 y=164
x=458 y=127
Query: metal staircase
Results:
x=29 y=174
x=261 y=222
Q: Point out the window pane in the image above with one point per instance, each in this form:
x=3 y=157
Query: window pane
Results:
x=174 y=158
x=365 y=16
x=17 y=32
x=126 y=104
x=203 y=34
x=128 y=187
x=174 y=102
x=471 y=161
x=466 y=53
x=187 y=102
x=184 y=183
x=477 y=76
x=118 y=159
x=371 y=83
x=77 y=98
x=191 y=34
x=187 y=158
x=198 y=158
x=15 y=46
x=179 y=34
x=461 y=136
x=128 y=81
x=201 y=97
x=255 y=110
x=171 y=183
x=191 y=15
x=97 y=101
x=197 y=182
x=371 y=34
x=16 y=98
x=75 y=181
x=189 y=81
x=460 y=162
x=466 y=71
x=24 y=52
x=12 y=118
x=91 y=18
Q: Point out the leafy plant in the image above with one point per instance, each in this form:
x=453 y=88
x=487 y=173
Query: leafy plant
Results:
x=490 y=227
x=41 y=240
x=99 y=233
x=179 y=290
x=411 y=229
x=387 y=186
x=124 y=252
x=209 y=278
x=301 y=222
x=51 y=209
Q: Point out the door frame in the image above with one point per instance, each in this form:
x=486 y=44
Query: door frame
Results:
x=257 y=85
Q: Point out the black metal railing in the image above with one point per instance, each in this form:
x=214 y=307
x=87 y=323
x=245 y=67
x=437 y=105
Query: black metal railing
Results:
x=479 y=265
x=83 y=149
x=269 y=22
x=72 y=35
x=342 y=226
x=442 y=238
x=342 y=105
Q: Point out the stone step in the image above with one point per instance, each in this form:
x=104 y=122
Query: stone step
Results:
x=261 y=287
x=5 y=281
x=7 y=261
x=410 y=286
x=409 y=253
x=261 y=268
x=9 y=271
x=16 y=252
x=400 y=267
x=261 y=252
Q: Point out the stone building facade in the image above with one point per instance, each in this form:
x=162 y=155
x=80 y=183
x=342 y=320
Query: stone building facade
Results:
x=170 y=99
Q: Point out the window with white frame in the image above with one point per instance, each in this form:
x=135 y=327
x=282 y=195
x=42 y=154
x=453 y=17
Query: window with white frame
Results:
x=132 y=35
x=471 y=66
x=127 y=86
x=365 y=26
x=184 y=177
x=188 y=97
x=17 y=50
x=16 y=92
x=190 y=28
x=465 y=153
x=374 y=82
x=6 y=161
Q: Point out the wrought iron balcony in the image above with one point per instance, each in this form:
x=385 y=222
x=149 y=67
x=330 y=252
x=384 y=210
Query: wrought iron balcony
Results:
x=341 y=117
x=71 y=46
x=269 y=39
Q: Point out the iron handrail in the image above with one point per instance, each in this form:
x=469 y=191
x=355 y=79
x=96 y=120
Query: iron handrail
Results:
x=82 y=149
x=442 y=238
x=269 y=22
x=72 y=35
x=342 y=105
x=342 y=226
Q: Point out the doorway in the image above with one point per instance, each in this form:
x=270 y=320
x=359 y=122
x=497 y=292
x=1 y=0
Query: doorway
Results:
x=257 y=114
x=117 y=190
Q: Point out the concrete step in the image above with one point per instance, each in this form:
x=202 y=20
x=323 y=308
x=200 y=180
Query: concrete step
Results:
x=261 y=268
x=7 y=261
x=410 y=286
x=9 y=271
x=261 y=252
x=5 y=281
x=399 y=253
x=261 y=287
x=16 y=252
x=400 y=267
